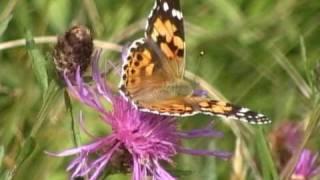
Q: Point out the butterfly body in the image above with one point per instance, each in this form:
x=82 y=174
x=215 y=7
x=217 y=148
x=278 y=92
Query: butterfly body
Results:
x=153 y=69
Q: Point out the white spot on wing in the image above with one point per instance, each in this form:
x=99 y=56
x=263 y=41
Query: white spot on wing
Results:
x=165 y=6
x=244 y=110
x=240 y=114
x=177 y=14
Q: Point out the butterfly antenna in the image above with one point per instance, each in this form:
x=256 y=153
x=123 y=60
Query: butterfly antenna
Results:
x=198 y=65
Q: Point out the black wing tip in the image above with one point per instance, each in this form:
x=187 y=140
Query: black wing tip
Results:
x=253 y=118
x=248 y=116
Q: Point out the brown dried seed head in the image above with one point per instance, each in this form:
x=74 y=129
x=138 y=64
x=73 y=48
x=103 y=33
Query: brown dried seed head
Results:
x=73 y=49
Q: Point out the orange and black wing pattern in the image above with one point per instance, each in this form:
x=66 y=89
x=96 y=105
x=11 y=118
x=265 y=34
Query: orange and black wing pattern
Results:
x=152 y=72
x=188 y=106
x=158 y=58
x=165 y=30
x=142 y=72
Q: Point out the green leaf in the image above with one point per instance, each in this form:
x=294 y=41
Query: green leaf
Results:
x=26 y=151
x=38 y=62
x=49 y=97
x=4 y=24
x=266 y=162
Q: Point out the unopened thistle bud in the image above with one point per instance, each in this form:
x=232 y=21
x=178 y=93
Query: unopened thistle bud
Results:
x=73 y=49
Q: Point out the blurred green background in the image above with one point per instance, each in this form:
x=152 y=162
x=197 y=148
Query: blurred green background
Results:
x=262 y=54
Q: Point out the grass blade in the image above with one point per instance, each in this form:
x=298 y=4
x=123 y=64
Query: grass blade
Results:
x=49 y=97
x=1 y=155
x=266 y=162
x=25 y=152
x=292 y=72
x=38 y=62
x=4 y=24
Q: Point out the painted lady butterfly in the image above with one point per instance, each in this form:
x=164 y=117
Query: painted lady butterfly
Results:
x=152 y=74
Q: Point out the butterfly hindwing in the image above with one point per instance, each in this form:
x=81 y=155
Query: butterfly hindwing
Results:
x=142 y=71
x=188 y=106
x=224 y=109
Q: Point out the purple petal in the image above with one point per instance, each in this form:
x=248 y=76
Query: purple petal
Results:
x=67 y=152
x=205 y=132
x=80 y=169
x=136 y=169
x=220 y=154
x=102 y=87
x=160 y=173
x=85 y=148
x=79 y=160
x=82 y=126
x=103 y=161
x=307 y=165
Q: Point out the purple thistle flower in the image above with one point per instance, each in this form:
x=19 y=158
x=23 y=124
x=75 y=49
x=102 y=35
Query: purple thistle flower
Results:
x=285 y=139
x=139 y=142
x=307 y=166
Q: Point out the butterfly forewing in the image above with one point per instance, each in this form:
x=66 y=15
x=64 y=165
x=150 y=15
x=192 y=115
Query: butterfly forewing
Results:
x=157 y=59
x=166 y=30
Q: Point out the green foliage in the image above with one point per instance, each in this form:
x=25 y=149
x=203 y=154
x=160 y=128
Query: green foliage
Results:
x=4 y=24
x=28 y=147
x=258 y=53
x=267 y=165
x=1 y=155
x=38 y=62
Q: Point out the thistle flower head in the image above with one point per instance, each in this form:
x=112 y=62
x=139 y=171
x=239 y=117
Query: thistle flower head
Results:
x=73 y=49
x=285 y=139
x=139 y=142
x=307 y=166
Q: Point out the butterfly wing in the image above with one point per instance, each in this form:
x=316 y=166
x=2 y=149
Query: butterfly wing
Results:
x=165 y=30
x=158 y=59
x=154 y=66
x=188 y=106
x=142 y=72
